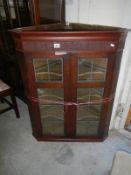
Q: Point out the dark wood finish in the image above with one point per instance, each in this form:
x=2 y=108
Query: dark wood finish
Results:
x=72 y=94
x=117 y=63
x=8 y=14
x=66 y=95
x=31 y=92
x=16 y=15
x=36 y=13
x=74 y=42
x=107 y=93
x=13 y=105
x=26 y=13
x=17 y=12
x=10 y=73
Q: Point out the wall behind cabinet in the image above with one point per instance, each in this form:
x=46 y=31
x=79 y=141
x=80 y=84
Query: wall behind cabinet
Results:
x=107 y=12
x=72 y=10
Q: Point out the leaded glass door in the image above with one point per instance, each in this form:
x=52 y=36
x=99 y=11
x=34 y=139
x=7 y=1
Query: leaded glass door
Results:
x=50 y=92
x=91 y=77
x=70 y=92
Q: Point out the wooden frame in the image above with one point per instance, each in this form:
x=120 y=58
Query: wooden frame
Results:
x=12 y=104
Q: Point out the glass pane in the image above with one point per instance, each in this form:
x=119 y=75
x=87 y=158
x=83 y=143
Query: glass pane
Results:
x=92 y=69
x=12 y=12
x=12 y=9
x=52 y=117
x=11 y=3
x=21 y=4
x=48 y=70
x=50 y=95
x=2 y=13
x=88 y=120
x=89 y=95
x=50 y=10
x=1 y=2
x=51 y=110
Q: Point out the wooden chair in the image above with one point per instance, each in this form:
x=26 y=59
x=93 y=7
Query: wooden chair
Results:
x=5 y=91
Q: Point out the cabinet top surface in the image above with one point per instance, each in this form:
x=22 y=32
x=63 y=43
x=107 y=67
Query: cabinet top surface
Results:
x=70 y=28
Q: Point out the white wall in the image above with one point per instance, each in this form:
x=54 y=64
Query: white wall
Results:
x=106 y=12
x=127 y=15
x=122 y=90
x=72 y=10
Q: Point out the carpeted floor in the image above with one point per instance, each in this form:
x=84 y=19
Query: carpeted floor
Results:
x=21 y=154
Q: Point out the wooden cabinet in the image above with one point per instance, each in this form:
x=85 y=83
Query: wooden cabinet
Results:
x=70 y=74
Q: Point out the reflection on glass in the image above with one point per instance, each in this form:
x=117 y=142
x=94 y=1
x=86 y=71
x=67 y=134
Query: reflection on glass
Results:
x=50 y=10
x=92 y=69
x=88 y=120
x=89 y=94
x=12 y=12
x=52 y=117
x=2 y=13
x=11 y=3
x=12 y=9
x=48 y=70
x=1 y=3
x=51 y=110
x=50 y=95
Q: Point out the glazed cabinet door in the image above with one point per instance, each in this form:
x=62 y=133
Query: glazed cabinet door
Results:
x=73 y=93
x=91 y=77
x=49 y=79
x=94 y=93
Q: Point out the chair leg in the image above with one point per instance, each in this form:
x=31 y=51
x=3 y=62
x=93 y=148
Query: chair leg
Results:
x=15 y=106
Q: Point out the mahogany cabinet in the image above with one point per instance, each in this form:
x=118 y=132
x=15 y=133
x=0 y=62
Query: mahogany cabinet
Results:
x=70 y=74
